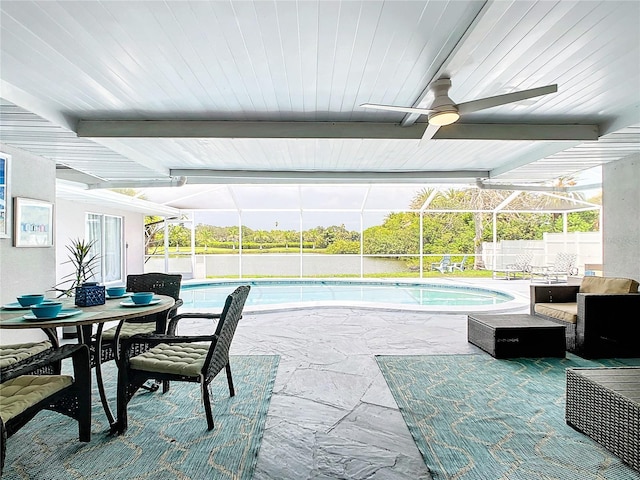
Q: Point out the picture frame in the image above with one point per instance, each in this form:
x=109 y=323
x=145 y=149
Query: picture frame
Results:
x=5 y=196
x=33 y=222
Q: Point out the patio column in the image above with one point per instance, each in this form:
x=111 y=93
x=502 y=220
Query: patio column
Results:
x=421 y=223
x=193 y=244
x=494 y=217
x=361 y=245
x=166 y=245
x=239 y=243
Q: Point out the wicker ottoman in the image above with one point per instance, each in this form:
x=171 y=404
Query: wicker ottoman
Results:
x=604 y=403
x=521 y=335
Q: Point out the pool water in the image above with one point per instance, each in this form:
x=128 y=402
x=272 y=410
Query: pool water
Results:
x=268 y=292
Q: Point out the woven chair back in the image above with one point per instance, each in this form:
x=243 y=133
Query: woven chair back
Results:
x=229 y=318
x=160 y=283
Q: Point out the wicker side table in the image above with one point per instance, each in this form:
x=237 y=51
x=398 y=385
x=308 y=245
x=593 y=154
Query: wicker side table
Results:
x=604 y=403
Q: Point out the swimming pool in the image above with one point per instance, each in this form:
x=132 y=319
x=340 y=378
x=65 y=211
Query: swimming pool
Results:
x=280 y=294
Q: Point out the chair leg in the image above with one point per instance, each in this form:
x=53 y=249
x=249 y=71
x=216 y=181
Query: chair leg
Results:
x=165 y=386
x=206 y=401
x=232 y=391
x=122 y=399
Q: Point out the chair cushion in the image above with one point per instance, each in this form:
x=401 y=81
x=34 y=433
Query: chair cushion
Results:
x=20 y=393
x=567 y=312
x=128 y=329
x=608 y=285
x=14 y=353
x=178 y=358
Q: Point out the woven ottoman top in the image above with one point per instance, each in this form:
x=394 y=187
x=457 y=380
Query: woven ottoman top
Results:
x=624 y=381
x=515 y=321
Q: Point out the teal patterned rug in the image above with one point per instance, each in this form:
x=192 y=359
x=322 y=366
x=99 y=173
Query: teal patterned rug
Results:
x=167 y=437
x=474 y=417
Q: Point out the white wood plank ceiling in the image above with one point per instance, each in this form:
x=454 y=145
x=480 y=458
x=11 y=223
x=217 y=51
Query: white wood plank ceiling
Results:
x=144 y=92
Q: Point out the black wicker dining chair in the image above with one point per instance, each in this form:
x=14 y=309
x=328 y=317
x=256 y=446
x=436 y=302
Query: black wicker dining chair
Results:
x=159 y=283
x=14 y=358
x=172 y=357
x=24 y=392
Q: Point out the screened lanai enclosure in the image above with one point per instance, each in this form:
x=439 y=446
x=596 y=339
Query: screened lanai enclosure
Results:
x=360 y=230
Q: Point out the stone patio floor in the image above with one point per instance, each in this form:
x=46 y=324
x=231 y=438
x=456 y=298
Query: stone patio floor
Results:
x=332 y=415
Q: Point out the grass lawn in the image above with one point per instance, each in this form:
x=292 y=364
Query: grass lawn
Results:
x=416 y=275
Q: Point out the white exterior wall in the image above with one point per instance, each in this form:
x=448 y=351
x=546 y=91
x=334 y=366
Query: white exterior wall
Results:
x=36 y=270
x=71 y=224
x=32 y=269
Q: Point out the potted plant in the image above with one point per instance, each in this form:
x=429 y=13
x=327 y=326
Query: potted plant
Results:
x=84 y=262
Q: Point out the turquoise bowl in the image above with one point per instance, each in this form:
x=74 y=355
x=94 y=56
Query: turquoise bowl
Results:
x=116 y=291
x=142 y=298
x=31 y=299
x=47 y=310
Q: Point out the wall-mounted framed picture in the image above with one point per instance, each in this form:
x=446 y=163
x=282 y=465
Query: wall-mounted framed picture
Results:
x=33 y=220
x=5 y=197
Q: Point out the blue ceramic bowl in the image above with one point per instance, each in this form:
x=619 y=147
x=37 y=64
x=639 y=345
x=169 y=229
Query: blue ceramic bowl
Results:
x=47 y=310
x=116 y=291
x=32 y=299
x=142 y=298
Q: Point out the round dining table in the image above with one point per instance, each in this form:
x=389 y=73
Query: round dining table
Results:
x=85 y=319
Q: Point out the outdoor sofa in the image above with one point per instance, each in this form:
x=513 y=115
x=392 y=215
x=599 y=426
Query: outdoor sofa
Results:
x=600 y=315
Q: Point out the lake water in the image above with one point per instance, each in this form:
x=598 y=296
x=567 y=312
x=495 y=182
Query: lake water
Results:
x=277 y=265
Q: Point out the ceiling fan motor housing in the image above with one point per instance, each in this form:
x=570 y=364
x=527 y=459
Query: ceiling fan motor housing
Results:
x=444 y=111
x=441 y=101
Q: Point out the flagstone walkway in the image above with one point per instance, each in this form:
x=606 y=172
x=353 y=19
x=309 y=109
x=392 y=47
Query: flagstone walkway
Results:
x=331 y=414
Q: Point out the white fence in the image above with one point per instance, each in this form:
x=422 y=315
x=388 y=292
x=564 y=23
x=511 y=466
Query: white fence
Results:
x=587 y=245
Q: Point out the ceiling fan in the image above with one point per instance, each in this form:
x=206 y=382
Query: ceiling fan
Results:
x=444 y=111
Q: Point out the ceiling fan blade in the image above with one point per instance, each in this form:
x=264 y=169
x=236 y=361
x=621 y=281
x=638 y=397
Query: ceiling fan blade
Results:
x=489 y=102
x=393 y=108
x=429 y=133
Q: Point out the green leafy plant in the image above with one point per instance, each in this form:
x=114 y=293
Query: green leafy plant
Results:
x=84 y=263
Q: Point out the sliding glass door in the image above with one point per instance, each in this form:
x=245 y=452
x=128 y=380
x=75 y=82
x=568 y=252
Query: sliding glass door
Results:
x=107 y=234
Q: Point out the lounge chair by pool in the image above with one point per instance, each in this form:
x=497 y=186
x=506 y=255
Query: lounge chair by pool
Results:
x=521 y=266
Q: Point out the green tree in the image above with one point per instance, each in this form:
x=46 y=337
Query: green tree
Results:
x=315 y=236
x=398 y=234
x=153 y=234
x=449 y=232
x=344 y=247
x=261 y=237
x=205 y=236
x=179 y=236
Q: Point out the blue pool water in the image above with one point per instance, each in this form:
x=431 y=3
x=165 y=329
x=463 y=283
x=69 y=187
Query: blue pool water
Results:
x=329 y=292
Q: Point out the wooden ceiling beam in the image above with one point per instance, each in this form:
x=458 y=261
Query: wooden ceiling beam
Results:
x=328 y=130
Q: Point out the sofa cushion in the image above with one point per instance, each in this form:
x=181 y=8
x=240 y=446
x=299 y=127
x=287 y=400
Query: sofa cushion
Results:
x=567 y=312
x=608 y=285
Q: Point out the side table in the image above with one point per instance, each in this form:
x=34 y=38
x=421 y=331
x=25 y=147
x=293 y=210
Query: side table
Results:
x=516 y=335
